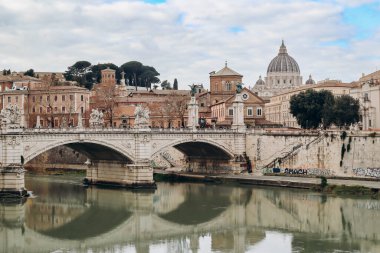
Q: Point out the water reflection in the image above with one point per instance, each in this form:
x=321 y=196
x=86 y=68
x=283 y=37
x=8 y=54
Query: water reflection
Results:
x=185 y=218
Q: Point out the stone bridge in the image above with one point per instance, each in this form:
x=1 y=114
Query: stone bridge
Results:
x=119 y=156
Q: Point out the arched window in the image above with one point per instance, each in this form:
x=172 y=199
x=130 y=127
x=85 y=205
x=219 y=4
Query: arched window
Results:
x=228 y=86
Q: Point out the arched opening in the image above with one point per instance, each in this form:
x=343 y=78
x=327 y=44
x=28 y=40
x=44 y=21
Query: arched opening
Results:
x=205 y=157
x=73 y=155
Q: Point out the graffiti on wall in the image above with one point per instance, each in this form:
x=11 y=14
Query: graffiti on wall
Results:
x=310 y=172
x=367 y=172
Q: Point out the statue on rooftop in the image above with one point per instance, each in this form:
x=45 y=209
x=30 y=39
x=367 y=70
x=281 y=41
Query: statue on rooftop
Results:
x=193 y=90
x=239 y=88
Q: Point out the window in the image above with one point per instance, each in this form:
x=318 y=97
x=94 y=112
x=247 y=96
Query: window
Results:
x=55 y=109
x=366 y=98
x=63 y=109
x=81 y=97
x=40 y=99
x=249 y=111
x=202 y=104
x=55 y=98
x=230 y=112
x=48 y=109
x=259 y=111
x=71 y=97
x=9 y=99
x=63 y=97
x=34 y=99
x=370 y=123
x=228 y=86
x=48 y=98
x=34 y=109
x=16 y=99
x=40 y=109
x=82 y=110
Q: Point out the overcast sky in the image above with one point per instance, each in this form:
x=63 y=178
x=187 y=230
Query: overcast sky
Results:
x=187 y=39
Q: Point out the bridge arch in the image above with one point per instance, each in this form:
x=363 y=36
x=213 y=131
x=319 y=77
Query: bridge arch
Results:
x=93 y=149
x=198 y=148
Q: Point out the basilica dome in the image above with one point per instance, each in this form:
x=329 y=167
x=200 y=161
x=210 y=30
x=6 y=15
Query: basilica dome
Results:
x=260 y=81
x=283 y=62
x=310 y=80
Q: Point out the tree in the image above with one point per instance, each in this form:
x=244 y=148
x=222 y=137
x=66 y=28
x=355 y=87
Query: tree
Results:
x=346 y=111
x=140 y=75
x=147 y=78
x=107 y=97
x=310 y=108
x=327 y=112
x=29 y=72
x=180 y=102
x=166 y=85
x=320 y=108
x=132 y=71
x=6 y=72
x=81 y=73
x=175 y=84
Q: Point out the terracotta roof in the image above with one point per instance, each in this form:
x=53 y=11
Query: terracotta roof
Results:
x=226 y=71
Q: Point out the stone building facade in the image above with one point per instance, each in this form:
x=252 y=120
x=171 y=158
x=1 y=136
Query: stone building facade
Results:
x=42 y=104
x=118 y=103
x=367 y=91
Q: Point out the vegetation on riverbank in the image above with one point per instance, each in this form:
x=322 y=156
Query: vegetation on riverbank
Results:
x=346 y=190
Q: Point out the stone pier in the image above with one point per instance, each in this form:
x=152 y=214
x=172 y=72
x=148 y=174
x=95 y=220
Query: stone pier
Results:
x=115 y=173
x=12 y=183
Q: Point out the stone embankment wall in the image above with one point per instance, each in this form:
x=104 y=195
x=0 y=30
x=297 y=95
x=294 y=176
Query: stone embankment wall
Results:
x=324 y=153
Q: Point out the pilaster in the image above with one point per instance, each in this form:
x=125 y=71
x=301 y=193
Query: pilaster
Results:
x=238 y=117
x=193 y=114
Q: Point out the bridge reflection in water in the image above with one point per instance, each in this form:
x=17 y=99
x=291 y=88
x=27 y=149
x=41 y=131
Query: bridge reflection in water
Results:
x=185 y=218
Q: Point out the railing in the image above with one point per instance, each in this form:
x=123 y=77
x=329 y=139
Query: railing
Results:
x=126 y=130
x=294 y=151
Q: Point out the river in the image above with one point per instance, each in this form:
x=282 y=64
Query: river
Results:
x=65 y=216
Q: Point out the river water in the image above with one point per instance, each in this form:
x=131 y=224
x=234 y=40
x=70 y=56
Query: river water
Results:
x=64 y=216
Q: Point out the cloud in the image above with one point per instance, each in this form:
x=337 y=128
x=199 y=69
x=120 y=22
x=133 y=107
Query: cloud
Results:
x=188 y=39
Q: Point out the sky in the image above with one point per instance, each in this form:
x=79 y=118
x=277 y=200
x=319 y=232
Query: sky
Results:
x=187 y=39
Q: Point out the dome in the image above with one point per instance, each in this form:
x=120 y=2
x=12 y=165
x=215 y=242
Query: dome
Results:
x=260 y=81
x=310 y=80
x=283 y=62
